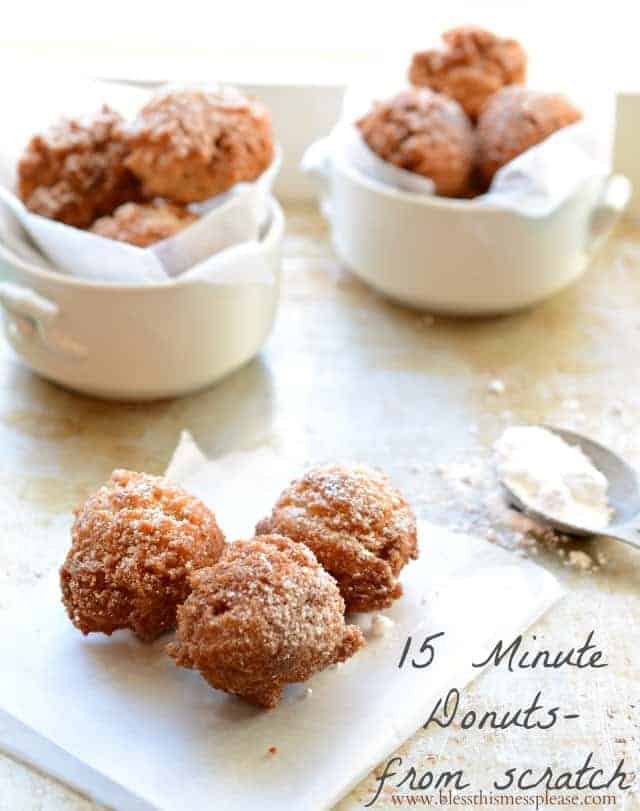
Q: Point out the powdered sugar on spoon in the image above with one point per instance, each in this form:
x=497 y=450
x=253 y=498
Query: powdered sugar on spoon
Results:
x=569 y=482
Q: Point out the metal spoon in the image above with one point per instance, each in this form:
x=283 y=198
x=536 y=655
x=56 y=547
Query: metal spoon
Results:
x=623 y=493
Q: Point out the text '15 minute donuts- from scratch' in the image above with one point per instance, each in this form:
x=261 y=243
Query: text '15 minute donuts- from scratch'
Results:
x=133 y=181
x=466 y=114
x=254 y=615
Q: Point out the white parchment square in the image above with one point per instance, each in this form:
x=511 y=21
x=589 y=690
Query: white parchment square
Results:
x=119 y=721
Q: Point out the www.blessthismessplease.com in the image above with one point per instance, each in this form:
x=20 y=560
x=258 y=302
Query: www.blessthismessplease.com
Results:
x=481 y=798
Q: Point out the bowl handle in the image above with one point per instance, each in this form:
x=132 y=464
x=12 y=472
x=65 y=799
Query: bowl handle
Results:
x=316 y=162
x=33 y=316
x=613 y=200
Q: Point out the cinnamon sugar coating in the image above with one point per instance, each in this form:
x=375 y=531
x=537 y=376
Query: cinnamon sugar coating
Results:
x=142 y=224
x=360 y=527
x=134 y=544
x=515 y=119
x=426 y=133
x=75 y=171
x=266 y=615
x=189 y=145
x=472 y=66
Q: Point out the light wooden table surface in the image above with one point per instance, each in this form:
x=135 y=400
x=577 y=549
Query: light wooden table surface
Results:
x=349 y=375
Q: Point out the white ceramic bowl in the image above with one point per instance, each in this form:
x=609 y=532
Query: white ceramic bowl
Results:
x=457 y=257
x=301 y=113
x=148 y=341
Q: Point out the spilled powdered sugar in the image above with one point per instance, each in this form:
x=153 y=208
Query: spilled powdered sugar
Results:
x=465 y=495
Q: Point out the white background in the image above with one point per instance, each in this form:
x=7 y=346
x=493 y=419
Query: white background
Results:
x=580 y=47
